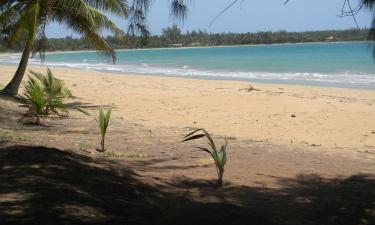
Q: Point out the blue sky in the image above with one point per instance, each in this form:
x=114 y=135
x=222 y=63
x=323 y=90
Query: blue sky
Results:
x=250 y=16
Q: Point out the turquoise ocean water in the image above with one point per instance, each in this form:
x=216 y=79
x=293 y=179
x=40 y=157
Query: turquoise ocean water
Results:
x=322 y=64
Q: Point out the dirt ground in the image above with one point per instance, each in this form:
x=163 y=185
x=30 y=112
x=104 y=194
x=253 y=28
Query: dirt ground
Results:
x=51 y=174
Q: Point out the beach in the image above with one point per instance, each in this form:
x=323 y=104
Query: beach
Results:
x=290 y=147
x=115 y=112
x=329 y=119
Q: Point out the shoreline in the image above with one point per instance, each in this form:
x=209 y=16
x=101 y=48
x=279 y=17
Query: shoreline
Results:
x=312 y=84
x=131 y=75
x=195 y=47
x=307 y=83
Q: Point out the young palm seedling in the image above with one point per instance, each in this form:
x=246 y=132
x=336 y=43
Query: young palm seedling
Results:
x=54 y=90
x=104 y=116
x=34 y=99
x=219 y=156
x=44 y=95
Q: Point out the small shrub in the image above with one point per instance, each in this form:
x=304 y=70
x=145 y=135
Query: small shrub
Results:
x=219 y=156
x=43 y=95
x=54 y=91
x=34 y=99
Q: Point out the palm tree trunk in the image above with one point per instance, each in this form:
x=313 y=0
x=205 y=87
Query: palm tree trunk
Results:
x=14 y=84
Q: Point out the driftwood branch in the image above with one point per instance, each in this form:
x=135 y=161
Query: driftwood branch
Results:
x=249 y=89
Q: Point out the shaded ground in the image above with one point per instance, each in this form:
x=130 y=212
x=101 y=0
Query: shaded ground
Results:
x=49 y=186
x=49 y=175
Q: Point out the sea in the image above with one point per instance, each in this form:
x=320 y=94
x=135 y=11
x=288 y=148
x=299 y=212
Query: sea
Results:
x=347 y=65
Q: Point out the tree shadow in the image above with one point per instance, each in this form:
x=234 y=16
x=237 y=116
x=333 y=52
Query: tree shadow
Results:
x=305 y=199
x=164 y=164
x=13 y=98
x=72 y=105
x=49 y=186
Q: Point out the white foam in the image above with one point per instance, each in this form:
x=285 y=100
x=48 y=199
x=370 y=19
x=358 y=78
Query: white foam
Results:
x=346 y=77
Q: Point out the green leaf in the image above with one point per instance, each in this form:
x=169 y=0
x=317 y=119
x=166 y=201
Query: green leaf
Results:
x=205 y=149
x=104 y=117
x=191 y=133
x=79 y=109
x=101 y=120
x=54 y=90
x=193 y=137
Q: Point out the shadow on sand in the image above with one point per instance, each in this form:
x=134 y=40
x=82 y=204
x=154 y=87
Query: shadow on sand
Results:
x=48 y=186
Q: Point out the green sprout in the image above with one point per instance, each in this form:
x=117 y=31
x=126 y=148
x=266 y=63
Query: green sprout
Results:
x=104 y=116
x=219 y=156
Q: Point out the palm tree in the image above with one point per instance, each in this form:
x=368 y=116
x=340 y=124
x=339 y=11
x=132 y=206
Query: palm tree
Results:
x=26 y=20
x=353 y=11
x=370 y=4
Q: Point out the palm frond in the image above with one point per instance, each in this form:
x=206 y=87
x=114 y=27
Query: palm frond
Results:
x=34 y=99
x=116 y=7
x=54 y=90
x=80 y=109
x=370 y=4
x=179 y=9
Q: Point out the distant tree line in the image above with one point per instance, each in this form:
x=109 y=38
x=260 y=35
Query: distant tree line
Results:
x=173 y=37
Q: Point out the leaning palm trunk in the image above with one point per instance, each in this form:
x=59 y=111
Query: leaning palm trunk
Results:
x=31 y=17
x=14 y=84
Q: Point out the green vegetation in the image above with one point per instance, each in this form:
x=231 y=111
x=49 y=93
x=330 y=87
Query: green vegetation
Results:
x=11 y=136
x=80 y=109
x=135 y=155
x=34 y=100
x=172 y=37
x=1 y=86
x=104 y=117
x=54 y=91
x=43 y=95
x=219 y=156
x=112 y=154
x=86 y=146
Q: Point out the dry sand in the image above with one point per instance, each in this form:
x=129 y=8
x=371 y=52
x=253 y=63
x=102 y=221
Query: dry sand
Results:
x=332 y=119
x=297 y=155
